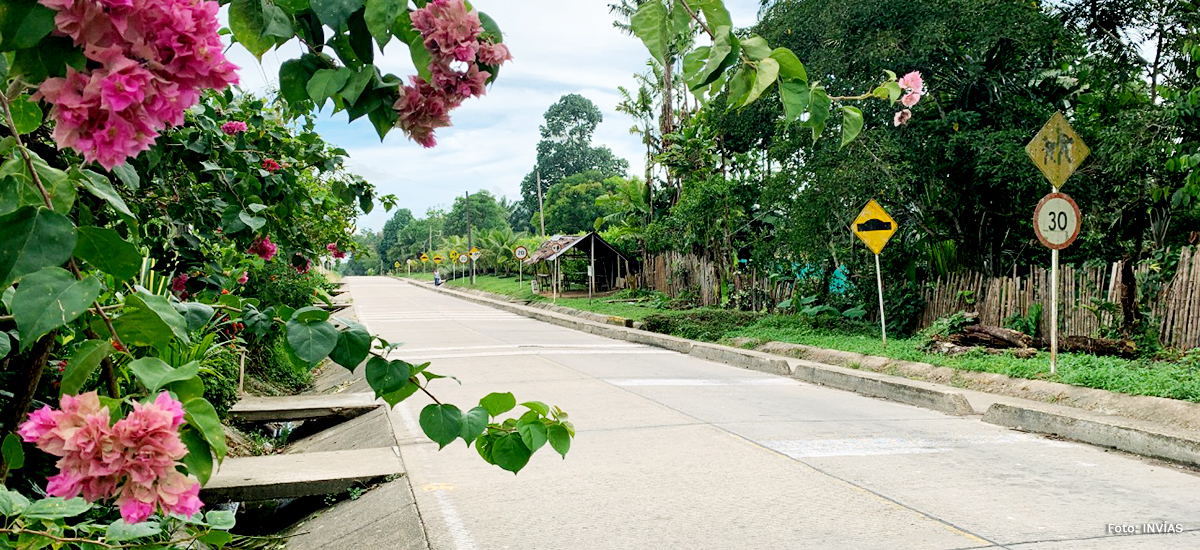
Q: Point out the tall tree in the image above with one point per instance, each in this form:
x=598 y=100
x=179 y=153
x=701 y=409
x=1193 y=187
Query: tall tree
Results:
x=566 y=149
x=486 y=214
x=571 y=206
x=389 y=251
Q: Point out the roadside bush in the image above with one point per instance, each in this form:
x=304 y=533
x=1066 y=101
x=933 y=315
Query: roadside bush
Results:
x=268 y=359
x=704 y=324
x=219 y=372
x=277 y=283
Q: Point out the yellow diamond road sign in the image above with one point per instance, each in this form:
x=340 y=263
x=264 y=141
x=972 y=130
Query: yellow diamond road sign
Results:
x=453 y=255
x=1057 y=150
x=424 y=257
x=874 y=226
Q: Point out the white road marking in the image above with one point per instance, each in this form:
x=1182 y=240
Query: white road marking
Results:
x=531 y=346
x=401 y=353
x=702 y=382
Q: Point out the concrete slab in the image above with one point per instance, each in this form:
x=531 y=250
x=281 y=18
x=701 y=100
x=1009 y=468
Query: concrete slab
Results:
x=371 y=430
x=299 y=475
x=384 y=518
x=302 y=407
x=912 y=392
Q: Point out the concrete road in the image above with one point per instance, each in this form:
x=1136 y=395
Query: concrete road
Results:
x=677 y=452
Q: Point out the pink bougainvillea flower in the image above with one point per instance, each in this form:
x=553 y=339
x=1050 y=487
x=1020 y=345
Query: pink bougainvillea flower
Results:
x=245 y=277
x=494 y=54
x=150 y=59
x=301 y=264
x=902 y=117
x=233 y=127
x=912 y=82
x=270 y=165
x=910 y=99
x=133 y=460
x=179 y=283
x=263 y=248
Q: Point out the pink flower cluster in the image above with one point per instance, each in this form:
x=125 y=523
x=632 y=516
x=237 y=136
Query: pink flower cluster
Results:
x=179 y=285
x=245 y=277
x=914 y=88
x=270 y=165
x=133 y=460
x=233 y=127
x=263 y=248
x=301 y=268
x=154 y=58
x=457 y=46
x=336 y=253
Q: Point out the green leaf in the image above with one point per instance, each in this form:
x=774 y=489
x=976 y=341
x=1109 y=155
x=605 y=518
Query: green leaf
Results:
x=442 y=423
x=186 y=390
x=353 y=346
x=99 y=186
x=818 y=111
x=714 y=12
x=559 y=438
x=195 y=314
x=893 y=90
x=533 y=434
x=401 y=394
x=795 y=97
x=154 y=373
x=380 y=16
x=220 y=519
x=474 y=422
x=852 y=123
x=200 y=414
x=24 y=24
x=12 y=502
x=5 y=342
x=387 y=376
x=311 y=341
x=294 y=76
x=56 y=508
x=276 y=23
x=107 y=251
x=768 y=70
x=216 y=539
x=541 y=408
x=326 y=82
x=510 y=453
x=199 y=460
x=790 y=67
x=82 y=364
x=360 y=37
x=253 y=222
x=335 y=13
x=739 y=86
x=14 y=455
x=150 y=320
x=27 y=116
x=755 y=47
x=722 y=54
x=48 y=299
x=293 y=6
x=247 y=21
x=310 y=313
x=357 y=83
x=33 y=237
x=497 y=404
x=18 y=189
x=128 y=176
x=119 y=531
x=650 y=24
x=420 y=57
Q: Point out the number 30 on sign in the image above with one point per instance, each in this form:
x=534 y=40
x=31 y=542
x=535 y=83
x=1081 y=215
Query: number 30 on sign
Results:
x=1056 y=221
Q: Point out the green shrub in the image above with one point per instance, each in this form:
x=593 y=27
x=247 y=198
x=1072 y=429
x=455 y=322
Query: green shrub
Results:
x=219 y=372
x=269 y=360
x=277 y=283
x=703 y=324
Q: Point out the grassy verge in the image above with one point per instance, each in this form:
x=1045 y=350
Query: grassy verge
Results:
x=1136 y=377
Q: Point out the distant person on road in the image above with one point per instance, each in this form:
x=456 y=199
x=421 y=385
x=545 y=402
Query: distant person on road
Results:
x=437 y=278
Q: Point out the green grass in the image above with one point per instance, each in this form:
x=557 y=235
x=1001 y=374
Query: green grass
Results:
x=1136 y=377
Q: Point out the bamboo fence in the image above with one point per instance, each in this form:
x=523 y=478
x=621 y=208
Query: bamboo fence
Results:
x=676 y=274
x=1082 y=292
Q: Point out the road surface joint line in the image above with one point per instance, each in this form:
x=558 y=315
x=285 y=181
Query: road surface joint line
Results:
x=1098 y=537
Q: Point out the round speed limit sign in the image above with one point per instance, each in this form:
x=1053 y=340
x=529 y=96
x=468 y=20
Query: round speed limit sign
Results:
x=463 y=258
x=1056 y=221
x=521 y=252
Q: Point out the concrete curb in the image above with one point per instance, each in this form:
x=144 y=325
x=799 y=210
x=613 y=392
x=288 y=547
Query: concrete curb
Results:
x=911 y=392
x=1120 y=433
x=902 y=390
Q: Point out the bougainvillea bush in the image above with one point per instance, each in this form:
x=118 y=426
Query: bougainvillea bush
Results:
x=140 y=194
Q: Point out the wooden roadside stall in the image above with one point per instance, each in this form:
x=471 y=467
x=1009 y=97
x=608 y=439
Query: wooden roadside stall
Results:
x=581 y=261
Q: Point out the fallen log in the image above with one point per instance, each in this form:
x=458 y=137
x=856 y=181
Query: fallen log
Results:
x=992 y=337
x=1099 y=346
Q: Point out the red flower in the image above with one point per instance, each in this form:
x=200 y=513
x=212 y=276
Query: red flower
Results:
x=270 y=165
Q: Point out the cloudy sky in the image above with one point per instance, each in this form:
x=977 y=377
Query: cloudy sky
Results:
x=559 y=47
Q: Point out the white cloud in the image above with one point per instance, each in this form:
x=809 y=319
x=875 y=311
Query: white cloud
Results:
x=559 y=47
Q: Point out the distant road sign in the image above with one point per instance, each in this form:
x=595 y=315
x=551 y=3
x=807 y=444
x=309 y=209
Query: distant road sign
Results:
x=424 y=257
x=1057 y=150
x=475 y=254
x=463 y=258
x=437 y=259
x=521 y=252
x=1056 y=220
x=453 y=255
x=397 y=263
x=874 y=226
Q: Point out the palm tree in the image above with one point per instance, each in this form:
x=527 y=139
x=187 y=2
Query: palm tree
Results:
x=631 y=210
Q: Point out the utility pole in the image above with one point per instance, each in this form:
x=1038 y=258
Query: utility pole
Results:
x=541 y=209
x=470 y=238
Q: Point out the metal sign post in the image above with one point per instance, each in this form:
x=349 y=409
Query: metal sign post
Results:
x=1057 y=151
x=875 y=227
x=521 y=253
